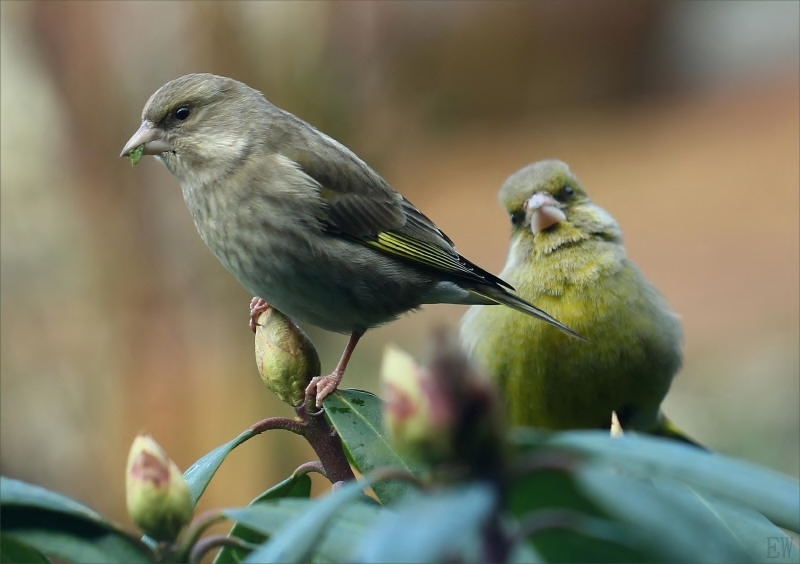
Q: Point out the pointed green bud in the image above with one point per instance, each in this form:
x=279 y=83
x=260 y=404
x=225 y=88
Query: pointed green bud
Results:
x=416 y=413
x=158 y=498
x=285 y=356
x=444 y=411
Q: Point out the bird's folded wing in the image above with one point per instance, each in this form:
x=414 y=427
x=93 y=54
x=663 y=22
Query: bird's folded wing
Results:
x=358 y=204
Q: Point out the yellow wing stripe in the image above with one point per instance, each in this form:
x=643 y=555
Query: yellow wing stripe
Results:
x=421 y=251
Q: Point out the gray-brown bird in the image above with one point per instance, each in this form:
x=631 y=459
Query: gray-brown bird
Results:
x=300 y=220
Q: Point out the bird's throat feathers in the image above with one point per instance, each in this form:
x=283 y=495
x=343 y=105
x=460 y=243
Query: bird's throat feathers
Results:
x=210 y=157
x=562 y=258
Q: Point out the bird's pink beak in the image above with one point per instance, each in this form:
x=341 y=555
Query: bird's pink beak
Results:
x=151 y=136
x=543 y=212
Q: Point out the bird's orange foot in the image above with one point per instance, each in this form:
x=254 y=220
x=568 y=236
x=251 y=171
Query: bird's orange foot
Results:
x=323 y=386
x=257 y=307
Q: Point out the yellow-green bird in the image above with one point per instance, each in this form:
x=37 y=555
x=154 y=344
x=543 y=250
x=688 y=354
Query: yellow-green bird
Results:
x=566 y=255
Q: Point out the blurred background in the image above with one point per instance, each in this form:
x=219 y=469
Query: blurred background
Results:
x=680 y=118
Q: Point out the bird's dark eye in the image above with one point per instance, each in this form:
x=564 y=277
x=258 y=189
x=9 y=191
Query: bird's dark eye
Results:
x=565 y=193
x=181 y=113
x=517 y=218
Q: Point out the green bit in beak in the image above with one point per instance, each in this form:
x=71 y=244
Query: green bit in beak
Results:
x=135 y=154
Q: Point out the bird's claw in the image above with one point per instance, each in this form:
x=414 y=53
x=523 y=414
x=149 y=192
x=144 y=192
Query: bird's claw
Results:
x=257 y=307
x=323 y=386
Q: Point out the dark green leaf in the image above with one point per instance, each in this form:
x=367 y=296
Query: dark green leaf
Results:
x=13 y=551
x=52 y=524
x=199 y=474
x=677 y=523
x=15 y=492
x=548 y=488
x=774 y=495
x=442 y=527
x=83 y=546
x=524 y=554
x=569 y=525
x=748 y=529
x=357 y=418
x=296 y=485
x=296 y=540
x=342 y=533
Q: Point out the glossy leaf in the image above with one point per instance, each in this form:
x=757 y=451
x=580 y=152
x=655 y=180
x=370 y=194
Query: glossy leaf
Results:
x=356 y=416
x=199 y=474
x=297 y=539
x=676 y=522
x=18 y=493
x=55 y=525
x=295 y=486
x=13 y=551
x=774 y=495
x=442 y=527
x=569 y=525
x=341 y=534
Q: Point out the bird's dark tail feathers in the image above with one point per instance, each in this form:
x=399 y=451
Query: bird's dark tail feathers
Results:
x=499 y=295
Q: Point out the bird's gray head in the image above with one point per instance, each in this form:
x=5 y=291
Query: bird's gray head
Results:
x=545 y=199
x=199 y=125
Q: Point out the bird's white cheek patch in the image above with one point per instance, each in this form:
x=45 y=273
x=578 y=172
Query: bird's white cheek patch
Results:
x=218 y=149
x=226 y=144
